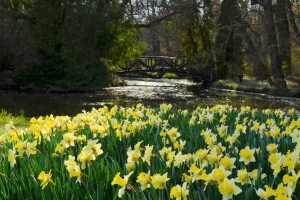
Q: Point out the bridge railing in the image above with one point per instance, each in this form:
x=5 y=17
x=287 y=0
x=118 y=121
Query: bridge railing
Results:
x=166 y=64
x=157 y=63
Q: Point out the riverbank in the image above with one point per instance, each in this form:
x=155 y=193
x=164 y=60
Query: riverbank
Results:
x=260 y=86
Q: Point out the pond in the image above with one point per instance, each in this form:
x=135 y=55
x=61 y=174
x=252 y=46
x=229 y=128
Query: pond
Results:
x=181 y=93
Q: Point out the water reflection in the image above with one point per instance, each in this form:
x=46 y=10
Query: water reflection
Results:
x=150 y=92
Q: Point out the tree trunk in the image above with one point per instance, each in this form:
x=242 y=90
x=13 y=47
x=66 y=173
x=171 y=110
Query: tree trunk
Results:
x=283 y=35
x=276 y=65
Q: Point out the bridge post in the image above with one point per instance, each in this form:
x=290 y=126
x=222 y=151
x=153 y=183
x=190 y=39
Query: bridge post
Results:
x=163 y=64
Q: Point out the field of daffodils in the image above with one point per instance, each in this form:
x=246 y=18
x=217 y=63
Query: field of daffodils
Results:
x=138 y=152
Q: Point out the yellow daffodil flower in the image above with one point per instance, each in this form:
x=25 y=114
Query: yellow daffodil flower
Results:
x=180 y=193
x=93 y=146
x=121 y=182
x=31 y=148
x=159 y=181
x=265 y=194
x=45 y=178
x=68 y=140
x=247 y=155
x=272 y=148
x=70 y=163
x=219 y=174
x=144 y=179
x=228 y=163
x=12 y=157
x=243 y=177
x=228 y=188
x=148 y=154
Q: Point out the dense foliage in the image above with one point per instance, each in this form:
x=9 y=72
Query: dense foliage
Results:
x=146 y=153
x=78 y=43
x=73 y=43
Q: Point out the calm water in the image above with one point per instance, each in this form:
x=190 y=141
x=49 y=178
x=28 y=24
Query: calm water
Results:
x=150 y=92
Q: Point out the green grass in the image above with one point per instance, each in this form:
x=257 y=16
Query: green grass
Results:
x=19 y=120
x=246 y=85
x=259 y=86
x=170 y=75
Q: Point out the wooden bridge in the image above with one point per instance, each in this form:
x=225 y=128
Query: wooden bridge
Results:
x=164 y=64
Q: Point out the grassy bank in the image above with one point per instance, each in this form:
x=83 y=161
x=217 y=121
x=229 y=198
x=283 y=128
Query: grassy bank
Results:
x=259 y=86
x=18 y=120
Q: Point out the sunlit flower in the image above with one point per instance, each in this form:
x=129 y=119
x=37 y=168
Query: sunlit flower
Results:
x=133 y=155
x=31 y=148
x=276 y=160
x=201 y=156
x=265 y=194
x=291 y=111
x=70 y=163
x=272 y=148
x=247 y=155
x=121 y=182
x=232 y=138
x=245 y=109
x=165 y=151
x=12 y=157
x=208 y=178
x=222 y=121
x=144 y=179
x=85 y=157
x=60 y=149
x=148 y=154
x=68 y=140
x=178 y=192
x=45 y=178
x=81 y=138
x=222 y=130
x=243 y=177
x=170 y=158
x=228 y=163
x=213 y=157
x=239 y=128
x=219 y=174
x=93 y=146
x=254 y=175
x=295 y=135
x=291 y=179
x=270 y=122
x=283 y=191
x=228 y=188
x=187 y=178
x=159 y=181
x=179 y=159
x=195 y=172
x=289 y=161
x=274 y=131
x=165 y=106
x=179 y=145
x=255 y=126
x=75 y=172
x=173 y=134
